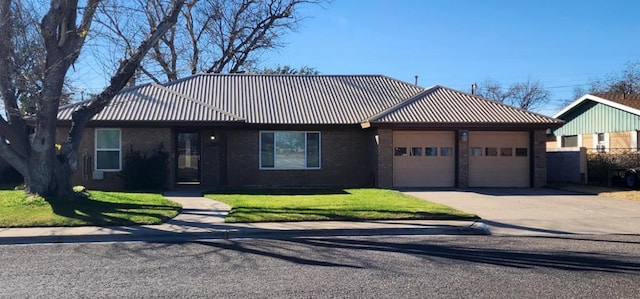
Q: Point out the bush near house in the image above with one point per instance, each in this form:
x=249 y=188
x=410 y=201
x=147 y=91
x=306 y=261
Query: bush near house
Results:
x=601 y=167
x=145 y=171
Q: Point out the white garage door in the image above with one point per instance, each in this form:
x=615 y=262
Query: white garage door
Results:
x=423 y=159
x=499 y=159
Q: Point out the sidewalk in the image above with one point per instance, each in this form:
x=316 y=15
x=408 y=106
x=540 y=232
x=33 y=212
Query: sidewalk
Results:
x=203 y=218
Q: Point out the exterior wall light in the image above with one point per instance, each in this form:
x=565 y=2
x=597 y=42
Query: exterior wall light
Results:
x=464 y=136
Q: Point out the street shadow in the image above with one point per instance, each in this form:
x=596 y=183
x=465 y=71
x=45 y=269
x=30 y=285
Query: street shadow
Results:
x=523 y=228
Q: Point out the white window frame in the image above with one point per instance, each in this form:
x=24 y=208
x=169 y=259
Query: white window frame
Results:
x=305 y=151
x=96 y=150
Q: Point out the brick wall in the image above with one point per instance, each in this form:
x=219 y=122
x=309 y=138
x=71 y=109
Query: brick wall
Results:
x=540 y=158
x=345 y=161
x=143 y=139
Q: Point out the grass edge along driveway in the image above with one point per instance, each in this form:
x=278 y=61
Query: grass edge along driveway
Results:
x=280 y=205
x=100 y=209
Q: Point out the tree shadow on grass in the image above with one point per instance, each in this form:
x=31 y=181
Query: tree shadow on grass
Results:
x=286 y=214
x=101 y=213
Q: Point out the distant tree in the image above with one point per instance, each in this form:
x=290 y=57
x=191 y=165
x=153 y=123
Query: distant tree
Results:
x=214 y=36
x=288 y=70
x=627 y=81
x=529 y=95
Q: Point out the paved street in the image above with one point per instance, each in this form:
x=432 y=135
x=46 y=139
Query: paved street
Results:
x=347 y=267
x=531 y=211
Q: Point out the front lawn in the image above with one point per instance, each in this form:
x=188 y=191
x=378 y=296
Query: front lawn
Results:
x=334 y=204
x=101 y=208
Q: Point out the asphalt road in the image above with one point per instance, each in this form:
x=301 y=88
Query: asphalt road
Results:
x=348 y=267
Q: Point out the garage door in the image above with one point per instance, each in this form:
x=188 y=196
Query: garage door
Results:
x=423 y=159
x=499 y=159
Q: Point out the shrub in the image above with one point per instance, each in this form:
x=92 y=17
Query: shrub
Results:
x=145 y=171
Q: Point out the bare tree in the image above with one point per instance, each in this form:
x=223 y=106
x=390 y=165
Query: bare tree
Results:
x=288 y=70
x=214 y=36
x=626 y=81
x=529 y=95
x=30 y=148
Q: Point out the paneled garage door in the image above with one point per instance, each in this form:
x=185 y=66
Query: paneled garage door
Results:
x=423 y=159
x=499 y=159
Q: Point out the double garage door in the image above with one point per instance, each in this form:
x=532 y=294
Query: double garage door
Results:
x=427 y=159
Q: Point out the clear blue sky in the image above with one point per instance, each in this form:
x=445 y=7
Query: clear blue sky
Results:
x=456 y=43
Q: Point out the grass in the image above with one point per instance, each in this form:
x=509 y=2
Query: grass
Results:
x=335 y=204
x=101 y=209
x=599 y=190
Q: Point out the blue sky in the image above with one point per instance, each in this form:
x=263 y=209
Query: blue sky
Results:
x=457 y=43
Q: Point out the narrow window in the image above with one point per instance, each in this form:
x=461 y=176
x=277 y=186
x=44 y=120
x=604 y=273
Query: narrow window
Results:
x=506 y=151
x=446 y=151
x=400 y=151
x=522 y=152
x=108 y=144
x=491 y=151
x=431 y=151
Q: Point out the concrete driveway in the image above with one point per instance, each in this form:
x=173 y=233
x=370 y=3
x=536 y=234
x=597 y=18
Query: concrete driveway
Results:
x=541 y=211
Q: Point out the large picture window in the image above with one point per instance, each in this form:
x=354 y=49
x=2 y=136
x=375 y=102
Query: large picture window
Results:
x=289 y=150
x=108 y=149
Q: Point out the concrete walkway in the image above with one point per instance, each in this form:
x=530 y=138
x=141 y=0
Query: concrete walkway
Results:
x=203 y=218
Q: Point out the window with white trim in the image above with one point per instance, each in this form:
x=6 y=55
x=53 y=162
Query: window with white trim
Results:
x=289 y=150
x=108 y=150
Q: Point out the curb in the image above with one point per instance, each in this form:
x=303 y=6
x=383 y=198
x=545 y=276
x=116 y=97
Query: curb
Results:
x=224 y=234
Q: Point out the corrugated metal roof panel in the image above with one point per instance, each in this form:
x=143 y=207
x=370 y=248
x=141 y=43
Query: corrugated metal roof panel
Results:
x=301 y=99
x=444 y=105
x=297 y=99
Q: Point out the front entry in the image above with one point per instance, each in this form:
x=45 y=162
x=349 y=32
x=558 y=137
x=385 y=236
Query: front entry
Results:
x=188 y=157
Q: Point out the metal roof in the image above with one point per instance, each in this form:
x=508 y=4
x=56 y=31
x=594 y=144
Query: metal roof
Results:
x=443 y=105
x=302 y=99
x=259 y=99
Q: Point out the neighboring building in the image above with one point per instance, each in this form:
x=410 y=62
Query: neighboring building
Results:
x=246 y=130
x=600 y=123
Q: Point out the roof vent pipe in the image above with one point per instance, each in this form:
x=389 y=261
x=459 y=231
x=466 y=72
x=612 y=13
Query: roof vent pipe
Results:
x=416 y=80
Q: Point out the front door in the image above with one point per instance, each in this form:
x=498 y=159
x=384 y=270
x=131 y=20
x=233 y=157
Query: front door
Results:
x=188 y=157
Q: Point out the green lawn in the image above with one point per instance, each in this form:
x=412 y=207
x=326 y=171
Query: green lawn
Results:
x=102 y=208
x=334 y=204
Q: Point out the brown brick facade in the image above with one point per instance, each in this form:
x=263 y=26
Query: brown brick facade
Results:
x=143 y=139
x=344 y=161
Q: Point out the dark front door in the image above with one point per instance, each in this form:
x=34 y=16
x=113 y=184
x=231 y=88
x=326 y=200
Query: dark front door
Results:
x=188 y=157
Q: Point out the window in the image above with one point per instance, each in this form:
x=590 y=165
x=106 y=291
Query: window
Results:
x=290 y=150
x=400 y=151
x=108 y=149
x=570 y=141
x=446 y=151
x=491 y=151
x=416 y=151
x=431 y=151
x=506 y=151
x=521 y=151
